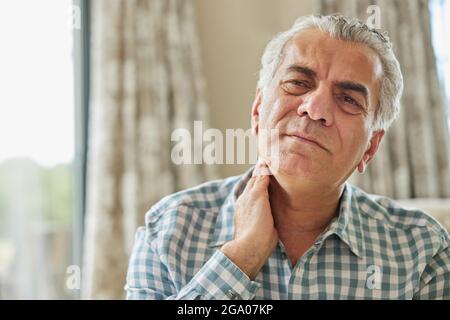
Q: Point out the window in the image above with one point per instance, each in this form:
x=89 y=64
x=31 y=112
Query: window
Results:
x=440 y=12
x=36 y=148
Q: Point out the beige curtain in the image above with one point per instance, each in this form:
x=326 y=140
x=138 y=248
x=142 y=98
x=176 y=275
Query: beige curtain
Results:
x=413 y=161
x=146 y=81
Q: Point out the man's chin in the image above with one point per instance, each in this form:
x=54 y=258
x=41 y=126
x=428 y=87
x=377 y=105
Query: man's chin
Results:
x=295 y=166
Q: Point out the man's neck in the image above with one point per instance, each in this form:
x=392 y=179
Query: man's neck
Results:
x=300 y=208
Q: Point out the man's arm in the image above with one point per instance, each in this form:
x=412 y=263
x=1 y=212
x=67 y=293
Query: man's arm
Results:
x=435 y=280
x=230 y=272
x=255 y=236
x=149 y=278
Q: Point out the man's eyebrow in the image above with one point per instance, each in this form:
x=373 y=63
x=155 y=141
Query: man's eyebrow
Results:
x=302 y=69
x=353 y=86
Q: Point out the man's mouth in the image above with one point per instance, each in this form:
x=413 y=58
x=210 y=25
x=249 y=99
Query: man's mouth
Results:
x=306 y=139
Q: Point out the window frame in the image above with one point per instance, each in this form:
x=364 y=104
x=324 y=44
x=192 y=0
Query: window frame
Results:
x=82 y=96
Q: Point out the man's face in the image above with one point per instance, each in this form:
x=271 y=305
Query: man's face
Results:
x=325 y=90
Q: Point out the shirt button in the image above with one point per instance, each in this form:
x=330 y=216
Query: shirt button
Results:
x=233 y=295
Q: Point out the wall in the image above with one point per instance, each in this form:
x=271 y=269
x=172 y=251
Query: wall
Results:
x=233 y=34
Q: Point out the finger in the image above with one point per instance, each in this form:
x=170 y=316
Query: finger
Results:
x=261 y=168
x=249 y=185
x=257 y=167
x=251 y=182
x=262 y=183
x=264 y=171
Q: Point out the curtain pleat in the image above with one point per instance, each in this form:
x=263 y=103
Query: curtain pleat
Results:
x=414 y=157
x=146 y=82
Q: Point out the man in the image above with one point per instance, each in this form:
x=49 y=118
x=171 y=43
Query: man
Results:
x=331 y=87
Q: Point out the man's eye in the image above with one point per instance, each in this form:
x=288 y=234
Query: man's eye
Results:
x=350 y=100
x=351 y=106
x=296 y=87
x=300 y=83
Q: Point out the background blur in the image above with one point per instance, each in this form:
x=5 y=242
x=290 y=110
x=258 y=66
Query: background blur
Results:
x=92 y=90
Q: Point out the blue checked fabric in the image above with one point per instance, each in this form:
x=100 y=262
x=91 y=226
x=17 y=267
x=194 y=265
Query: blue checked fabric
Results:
x=373 y=249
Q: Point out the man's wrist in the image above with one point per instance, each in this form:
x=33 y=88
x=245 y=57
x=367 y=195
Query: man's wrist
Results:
x=246 y=259
x=220 y=278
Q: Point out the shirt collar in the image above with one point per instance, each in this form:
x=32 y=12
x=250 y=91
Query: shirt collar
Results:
x=346 y=225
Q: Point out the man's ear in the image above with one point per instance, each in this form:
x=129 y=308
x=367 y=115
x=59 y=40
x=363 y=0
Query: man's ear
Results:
x=371 y=150
x=255 y=111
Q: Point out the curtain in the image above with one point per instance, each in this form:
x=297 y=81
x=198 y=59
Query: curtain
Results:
x=413 y=160
x=145 y=82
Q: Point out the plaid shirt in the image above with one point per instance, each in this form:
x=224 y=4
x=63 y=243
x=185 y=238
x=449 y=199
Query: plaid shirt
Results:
x=373 y=249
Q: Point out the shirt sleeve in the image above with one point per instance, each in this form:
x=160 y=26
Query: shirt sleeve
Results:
x=148 y=278
x=435 y=280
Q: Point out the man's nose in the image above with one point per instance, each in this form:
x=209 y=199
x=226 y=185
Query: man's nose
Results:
x=318 y=106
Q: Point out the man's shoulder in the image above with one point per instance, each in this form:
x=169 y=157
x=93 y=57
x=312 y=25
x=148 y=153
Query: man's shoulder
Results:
x=392 y=215
x=206 y=198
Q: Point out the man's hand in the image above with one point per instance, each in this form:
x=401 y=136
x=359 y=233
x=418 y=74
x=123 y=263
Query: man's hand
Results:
x=255 y=236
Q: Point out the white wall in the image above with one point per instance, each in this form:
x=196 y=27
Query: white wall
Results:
x=233 y=34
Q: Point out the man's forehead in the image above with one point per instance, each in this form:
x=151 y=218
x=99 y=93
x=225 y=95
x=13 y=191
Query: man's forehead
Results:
x=323 y=54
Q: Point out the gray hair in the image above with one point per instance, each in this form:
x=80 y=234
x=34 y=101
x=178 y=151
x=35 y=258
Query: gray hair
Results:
x=352 y=30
